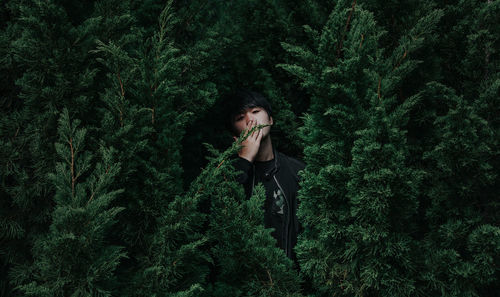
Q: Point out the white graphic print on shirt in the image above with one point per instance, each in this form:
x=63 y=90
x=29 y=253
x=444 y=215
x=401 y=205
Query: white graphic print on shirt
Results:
x=278 y=201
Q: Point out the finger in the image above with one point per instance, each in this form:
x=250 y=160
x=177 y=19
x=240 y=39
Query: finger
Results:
x=255 y=134
x=260 y=129
x=247 y=128
x=252 y=126
x=259 y=137
x=234 y=137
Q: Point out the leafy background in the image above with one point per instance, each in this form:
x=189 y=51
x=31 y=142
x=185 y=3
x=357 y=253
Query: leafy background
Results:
x=116 y=167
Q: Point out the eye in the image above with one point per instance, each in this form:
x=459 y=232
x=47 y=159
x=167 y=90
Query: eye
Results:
x=239 y=118
x=256 y=111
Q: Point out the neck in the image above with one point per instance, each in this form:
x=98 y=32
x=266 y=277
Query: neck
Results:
x=265 y=150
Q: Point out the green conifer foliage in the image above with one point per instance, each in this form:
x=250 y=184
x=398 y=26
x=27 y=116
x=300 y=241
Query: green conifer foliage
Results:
x=463 y=242
x=75 y=257
x=254 y=29
x=382 y=192
x=400 y=138
x=359 y=199
x=246 y=260
x=469 y=46
x=37 y=50
x=463 y=239
x=47 y=67
x=249 y=33
x=154 y=91
x=11 y=227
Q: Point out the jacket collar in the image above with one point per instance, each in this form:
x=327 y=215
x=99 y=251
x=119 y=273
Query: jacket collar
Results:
x=276 y=166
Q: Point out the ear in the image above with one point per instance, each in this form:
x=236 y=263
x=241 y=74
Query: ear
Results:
x=271 y=120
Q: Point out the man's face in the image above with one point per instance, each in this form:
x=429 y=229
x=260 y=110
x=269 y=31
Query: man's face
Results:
x=258 y=114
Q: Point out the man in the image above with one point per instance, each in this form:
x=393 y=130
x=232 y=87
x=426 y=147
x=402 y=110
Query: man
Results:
x=260 y=162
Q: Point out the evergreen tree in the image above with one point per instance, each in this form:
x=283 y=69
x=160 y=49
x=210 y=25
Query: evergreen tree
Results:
x=463 y=241
x=400 y=139
x=47 y=68
x=75 y=258
x=249 y=33
x=382 y=191
x=247 y=261
x=11 y=227
x=359 y=197
x=154 y=91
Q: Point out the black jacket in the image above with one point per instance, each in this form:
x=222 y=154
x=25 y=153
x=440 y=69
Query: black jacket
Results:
x=284 y=174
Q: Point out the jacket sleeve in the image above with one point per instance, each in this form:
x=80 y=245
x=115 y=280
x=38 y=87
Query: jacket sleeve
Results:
x=245 y=167
x=244 y=177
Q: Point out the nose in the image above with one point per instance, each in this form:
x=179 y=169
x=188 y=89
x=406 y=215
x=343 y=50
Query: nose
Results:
x=249 y=117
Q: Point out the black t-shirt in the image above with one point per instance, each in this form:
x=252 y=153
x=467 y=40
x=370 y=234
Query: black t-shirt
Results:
x=274 y=207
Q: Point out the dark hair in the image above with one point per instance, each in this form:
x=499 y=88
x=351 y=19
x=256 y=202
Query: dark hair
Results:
x=241 y=99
